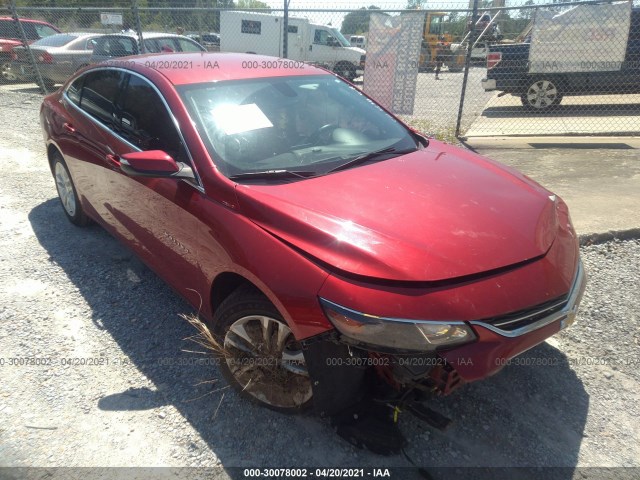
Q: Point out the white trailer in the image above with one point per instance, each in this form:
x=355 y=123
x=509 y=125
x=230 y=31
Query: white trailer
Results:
x=261 y=33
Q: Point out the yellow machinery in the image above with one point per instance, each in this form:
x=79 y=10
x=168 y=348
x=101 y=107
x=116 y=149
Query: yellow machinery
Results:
x=437 y=43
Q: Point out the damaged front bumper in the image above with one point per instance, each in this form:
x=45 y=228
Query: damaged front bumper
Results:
x=471 y=356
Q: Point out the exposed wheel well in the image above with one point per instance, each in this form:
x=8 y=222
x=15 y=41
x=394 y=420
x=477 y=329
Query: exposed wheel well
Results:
x=51 y=151
x=225 y=284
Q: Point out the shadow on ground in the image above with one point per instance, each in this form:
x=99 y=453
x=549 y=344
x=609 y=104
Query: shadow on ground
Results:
x=531 y=414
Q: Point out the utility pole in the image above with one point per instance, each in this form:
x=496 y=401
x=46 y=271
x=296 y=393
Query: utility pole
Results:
x=285 y=28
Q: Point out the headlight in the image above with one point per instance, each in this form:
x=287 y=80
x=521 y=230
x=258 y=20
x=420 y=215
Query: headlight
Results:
x=395 y=333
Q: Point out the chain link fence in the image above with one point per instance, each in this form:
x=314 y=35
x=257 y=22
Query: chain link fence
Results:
x=478 y=68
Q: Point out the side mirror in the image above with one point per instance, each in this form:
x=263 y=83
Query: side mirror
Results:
x=154 y=163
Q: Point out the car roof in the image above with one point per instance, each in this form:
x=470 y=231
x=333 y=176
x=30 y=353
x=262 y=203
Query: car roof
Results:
x=29 y=20
x=203 y=67
x=145 y=35
x=77 y=34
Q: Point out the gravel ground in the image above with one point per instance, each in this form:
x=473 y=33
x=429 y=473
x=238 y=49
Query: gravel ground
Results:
x=69 y=293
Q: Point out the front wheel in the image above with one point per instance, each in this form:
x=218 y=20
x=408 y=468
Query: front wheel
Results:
x=261 y=357
x=67 y=193
x=6 y=75
x=541 y=95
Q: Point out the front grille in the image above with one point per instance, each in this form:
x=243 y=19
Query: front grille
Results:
x=522 y=318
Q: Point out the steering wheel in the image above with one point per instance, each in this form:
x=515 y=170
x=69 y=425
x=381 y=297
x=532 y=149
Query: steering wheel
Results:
x=323 y=134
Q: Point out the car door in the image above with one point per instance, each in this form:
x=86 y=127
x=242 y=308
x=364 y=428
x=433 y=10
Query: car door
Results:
x=153 y=215
x=80 y=53
x=89 y=105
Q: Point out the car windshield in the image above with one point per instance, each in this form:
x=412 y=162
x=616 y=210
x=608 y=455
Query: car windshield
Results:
x=55 y=40
x=343 y=41
x=313 y=124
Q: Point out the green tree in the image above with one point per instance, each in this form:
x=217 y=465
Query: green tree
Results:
x=357 y=22
x=416 y=4
x=251 y=4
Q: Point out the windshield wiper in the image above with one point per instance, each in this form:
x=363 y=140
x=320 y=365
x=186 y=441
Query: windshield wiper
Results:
x=272 y=174
x=365 y=157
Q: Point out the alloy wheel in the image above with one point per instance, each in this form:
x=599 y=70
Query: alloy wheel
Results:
x=266 y=360
x=65 y=189
x=542 y=94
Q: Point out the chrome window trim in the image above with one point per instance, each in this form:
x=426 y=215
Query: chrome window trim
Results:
x=199 y=186
x=577 y=289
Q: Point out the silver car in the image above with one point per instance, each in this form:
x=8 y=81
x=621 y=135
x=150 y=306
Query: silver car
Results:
x=57 y=57
x=125 y=44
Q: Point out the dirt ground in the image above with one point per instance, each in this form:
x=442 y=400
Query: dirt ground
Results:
x=97 y=368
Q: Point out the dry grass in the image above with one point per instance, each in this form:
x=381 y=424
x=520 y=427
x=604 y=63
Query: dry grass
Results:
x=204 y=338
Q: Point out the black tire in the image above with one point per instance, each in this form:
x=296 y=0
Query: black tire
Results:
x=346 y=71
x=67 y=192
x=541 y=95
x=260 y=379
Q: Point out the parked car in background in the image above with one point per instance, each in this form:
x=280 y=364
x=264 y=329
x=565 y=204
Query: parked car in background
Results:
x=57 y=56
x=10 y=38
x=587 y=69
x=211 y=41
x=125 y=44
x=325 y=243
x=478 y=53
x=358 y=41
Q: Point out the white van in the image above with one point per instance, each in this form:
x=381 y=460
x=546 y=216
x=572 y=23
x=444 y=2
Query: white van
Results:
x=358 y=41
x=261 y=33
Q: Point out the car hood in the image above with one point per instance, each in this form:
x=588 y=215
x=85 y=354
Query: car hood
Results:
x=435 y=214
x=7 y=44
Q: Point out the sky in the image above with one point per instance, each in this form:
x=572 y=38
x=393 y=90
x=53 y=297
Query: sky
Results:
x=336 y=18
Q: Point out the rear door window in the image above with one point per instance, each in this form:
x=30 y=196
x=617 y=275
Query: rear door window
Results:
x=99 y=96
x=167 y=45
x=152 y=46
x=8 y=29
x=116 y=47
x=187 y=46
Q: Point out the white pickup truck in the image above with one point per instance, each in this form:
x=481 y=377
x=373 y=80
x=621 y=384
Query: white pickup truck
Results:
x=261 y=33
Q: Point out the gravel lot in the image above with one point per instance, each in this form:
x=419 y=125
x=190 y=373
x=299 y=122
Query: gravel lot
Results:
x=69 y=293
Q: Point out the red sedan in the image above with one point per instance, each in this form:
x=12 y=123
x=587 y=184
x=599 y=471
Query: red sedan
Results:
x=324 y=242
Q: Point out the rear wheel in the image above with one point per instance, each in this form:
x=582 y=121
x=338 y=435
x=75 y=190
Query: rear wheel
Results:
x=261 y=357
x=67 y=192
x=541 y=95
